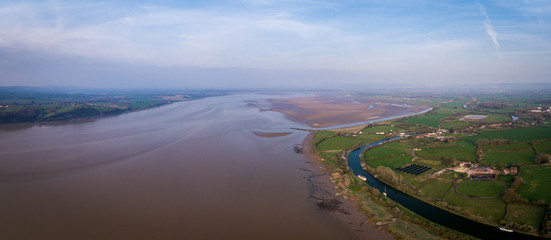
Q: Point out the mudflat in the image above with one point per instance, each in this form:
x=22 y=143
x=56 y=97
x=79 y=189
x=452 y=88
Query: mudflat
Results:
x=327 y=111
x=189 y=170
x=270 y=134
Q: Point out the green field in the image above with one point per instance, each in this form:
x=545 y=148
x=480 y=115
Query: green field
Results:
x=457 y=104
x=429 y=162
x=455 y=124
x=497 y=118
x=538 y=183
x=435 y=189
x=543 y=147
x=520 y=153
x=338 y=143
x=411 y=181
x=460 y=151
x=381 y=128
x=433 y=118
x=322 y=134
x=366 y=137
x=480 y=188
x=521 y=134
x=492 y=209
x=526 y=214
x=391 y=155
x=430 y=120
x=387 y=150
x=391 y=162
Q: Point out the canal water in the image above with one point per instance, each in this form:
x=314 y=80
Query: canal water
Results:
x=189 y=170
x=426 y=210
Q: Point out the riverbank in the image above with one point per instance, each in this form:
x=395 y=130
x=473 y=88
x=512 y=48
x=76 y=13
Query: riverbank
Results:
x=331 y=201
x=44 y=105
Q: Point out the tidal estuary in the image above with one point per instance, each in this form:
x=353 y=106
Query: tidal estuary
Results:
x=189 y=170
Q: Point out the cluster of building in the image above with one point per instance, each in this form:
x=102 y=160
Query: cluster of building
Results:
x=477 y=172
x=437 y=135
x=541 y=110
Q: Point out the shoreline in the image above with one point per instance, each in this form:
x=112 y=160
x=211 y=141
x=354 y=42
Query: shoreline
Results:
x=323 y=192
x=77 y=119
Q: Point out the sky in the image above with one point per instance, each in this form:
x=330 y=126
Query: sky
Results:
x=269 y=43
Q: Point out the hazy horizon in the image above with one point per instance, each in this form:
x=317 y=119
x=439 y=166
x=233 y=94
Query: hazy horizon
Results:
x=273 y=44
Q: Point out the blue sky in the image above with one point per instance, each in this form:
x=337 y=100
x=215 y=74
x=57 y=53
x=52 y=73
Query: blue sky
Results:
x=265 y=43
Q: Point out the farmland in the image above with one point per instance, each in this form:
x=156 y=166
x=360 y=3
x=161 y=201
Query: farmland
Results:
x=538 y=183
x=480 y=188
x=494 y=142
x=459 y=150
x=523 y=134
x=520 y=153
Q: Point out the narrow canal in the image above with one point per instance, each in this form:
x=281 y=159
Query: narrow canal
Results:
x=426 y=210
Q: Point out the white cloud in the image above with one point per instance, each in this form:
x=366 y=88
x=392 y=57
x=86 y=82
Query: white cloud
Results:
x=267 y=35
x=490 y=28
x=166 y=36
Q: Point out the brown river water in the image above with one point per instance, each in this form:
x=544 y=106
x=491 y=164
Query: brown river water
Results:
x=189 y=170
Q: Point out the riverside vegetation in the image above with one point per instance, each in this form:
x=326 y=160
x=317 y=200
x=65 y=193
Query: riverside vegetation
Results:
x=493 y=169
x=39 y=104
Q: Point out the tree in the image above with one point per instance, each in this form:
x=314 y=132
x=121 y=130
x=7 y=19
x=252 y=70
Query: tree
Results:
x=387 y=174
x=518 y=181
x=447 y=161
x=541 y=158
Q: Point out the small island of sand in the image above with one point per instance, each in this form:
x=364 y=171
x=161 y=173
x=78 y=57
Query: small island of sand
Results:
x=269 y=134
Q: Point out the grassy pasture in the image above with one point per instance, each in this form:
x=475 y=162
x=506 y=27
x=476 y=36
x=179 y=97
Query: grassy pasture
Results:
x=519 y=134
x=430 y=120
x=412 y=180
x=455 y=124
x=433 y=118
x=338 y=143
x=526 y=214
x=386 y=150
x=429 y=162
x=457 y=103
x=492 y=209
x=391 y=155
x=322 y=134
x=520 y=153
x=538 y=183
x=381 y=128
x=480 y=188
x=497 y=118
x=436 y=189
x=461 y=151
x=391 y=162
x=370 y=137
x=543 y=147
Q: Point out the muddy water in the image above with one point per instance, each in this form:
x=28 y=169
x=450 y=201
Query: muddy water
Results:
x=190 y=170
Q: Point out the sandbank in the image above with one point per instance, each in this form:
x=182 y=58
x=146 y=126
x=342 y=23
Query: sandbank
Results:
x=327 y=111
x=269 y=134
